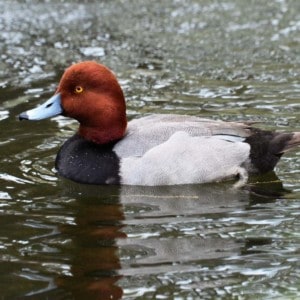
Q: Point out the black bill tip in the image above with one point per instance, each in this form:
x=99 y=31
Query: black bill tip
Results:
x=23 y=116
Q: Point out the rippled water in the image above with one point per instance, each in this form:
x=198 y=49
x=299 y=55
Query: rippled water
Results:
x=234 y=60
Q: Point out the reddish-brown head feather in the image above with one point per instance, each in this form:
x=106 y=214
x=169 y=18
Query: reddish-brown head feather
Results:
x=99 y=106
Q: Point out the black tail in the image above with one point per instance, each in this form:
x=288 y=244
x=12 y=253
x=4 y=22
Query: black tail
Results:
x=293 y=142
x=267 y=147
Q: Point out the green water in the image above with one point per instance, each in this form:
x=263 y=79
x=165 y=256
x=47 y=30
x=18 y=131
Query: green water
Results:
x=230 y=60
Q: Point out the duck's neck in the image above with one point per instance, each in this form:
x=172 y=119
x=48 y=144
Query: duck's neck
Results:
x=103 y=134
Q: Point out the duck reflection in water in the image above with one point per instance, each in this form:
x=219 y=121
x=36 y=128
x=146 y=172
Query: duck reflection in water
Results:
x=98 y=224
x=103 y=253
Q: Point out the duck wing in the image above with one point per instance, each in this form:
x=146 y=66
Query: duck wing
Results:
x=145 y=133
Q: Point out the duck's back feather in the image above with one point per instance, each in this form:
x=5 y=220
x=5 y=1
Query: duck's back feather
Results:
x=186 y=159
x=145 y=133
x=176 y=149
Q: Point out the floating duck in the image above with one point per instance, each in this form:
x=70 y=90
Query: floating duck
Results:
x=158 y=149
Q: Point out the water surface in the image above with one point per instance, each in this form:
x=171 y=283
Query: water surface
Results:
x=231 y=60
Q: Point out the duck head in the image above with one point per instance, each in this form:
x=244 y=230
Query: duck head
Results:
x=90 y=93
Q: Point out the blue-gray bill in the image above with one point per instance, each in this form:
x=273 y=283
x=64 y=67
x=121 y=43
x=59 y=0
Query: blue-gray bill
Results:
x=50 y=108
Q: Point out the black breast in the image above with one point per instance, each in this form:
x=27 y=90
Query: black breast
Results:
x=86 y=162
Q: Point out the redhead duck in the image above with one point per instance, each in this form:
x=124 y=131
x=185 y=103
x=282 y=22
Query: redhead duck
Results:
x=159 y=149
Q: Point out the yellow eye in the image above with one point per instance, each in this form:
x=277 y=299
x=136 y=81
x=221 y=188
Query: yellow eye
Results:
x=78 y=89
